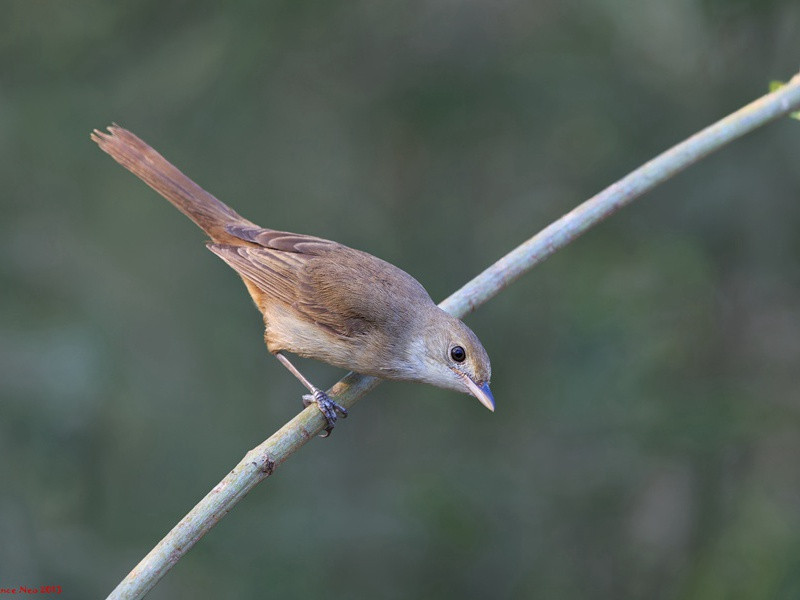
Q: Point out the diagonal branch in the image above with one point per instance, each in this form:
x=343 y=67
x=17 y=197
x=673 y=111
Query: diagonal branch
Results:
x=260 y=462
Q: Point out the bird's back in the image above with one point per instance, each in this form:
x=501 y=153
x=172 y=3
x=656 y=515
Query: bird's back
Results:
x=345 y=292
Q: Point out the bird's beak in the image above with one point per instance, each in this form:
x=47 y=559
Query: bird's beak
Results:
x=481 y=392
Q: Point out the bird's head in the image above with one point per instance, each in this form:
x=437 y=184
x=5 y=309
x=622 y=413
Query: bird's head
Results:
x=452 y=357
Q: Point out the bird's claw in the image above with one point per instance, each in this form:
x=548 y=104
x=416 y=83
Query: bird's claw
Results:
x=330 y=410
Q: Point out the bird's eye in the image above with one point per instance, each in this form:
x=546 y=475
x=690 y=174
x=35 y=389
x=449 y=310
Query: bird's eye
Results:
x=457 y=354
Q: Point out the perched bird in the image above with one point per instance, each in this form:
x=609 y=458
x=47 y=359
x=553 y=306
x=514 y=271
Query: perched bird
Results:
x=321 y=299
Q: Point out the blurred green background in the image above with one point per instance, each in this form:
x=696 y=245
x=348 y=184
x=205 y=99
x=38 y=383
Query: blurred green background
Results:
x=647 y=437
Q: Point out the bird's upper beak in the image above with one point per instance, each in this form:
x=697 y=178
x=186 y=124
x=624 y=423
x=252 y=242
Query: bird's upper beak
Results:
x=481 y=392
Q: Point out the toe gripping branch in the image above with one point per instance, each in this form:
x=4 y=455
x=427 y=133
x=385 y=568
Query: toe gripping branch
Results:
x=330 y=410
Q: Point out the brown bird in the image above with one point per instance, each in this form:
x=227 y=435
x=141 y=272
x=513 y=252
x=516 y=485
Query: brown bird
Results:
x=321 y=299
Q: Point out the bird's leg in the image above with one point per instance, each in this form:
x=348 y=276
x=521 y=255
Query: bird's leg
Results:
x=329 y=409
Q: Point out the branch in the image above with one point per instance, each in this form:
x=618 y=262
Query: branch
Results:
x=260 y=462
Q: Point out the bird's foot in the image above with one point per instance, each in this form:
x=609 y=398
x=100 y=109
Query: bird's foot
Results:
x=330 y=410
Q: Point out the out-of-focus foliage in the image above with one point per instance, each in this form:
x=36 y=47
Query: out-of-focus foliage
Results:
x=646 y=442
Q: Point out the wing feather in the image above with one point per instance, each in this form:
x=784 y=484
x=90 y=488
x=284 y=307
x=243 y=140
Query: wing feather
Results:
x=284 y=276
x=298 y=271
x=274 y=277
x=283 y=241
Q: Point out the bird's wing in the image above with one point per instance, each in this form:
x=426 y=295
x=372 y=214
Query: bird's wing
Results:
x=288 y=276
x=324 y=281
x=284 y=241
x=275 y=273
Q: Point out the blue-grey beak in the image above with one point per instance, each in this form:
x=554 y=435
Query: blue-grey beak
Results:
x=486 y=397
x=481 y=392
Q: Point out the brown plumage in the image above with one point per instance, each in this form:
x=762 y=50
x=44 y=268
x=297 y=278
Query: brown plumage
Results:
x=321 y=299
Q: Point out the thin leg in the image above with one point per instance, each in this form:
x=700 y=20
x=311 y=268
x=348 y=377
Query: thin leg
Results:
x=329 y=409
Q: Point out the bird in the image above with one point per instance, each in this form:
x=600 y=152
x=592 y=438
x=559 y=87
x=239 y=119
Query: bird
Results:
x=321 y=299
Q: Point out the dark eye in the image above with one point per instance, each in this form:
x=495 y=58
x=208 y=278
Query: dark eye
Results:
x=457 y=354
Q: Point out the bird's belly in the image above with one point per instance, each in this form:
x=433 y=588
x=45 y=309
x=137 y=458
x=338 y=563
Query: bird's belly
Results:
x=286 y=330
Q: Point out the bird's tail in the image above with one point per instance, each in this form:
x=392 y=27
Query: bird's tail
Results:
x=205 y=210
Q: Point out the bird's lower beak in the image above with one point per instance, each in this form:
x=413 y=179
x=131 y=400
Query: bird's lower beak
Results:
x=481 y=392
